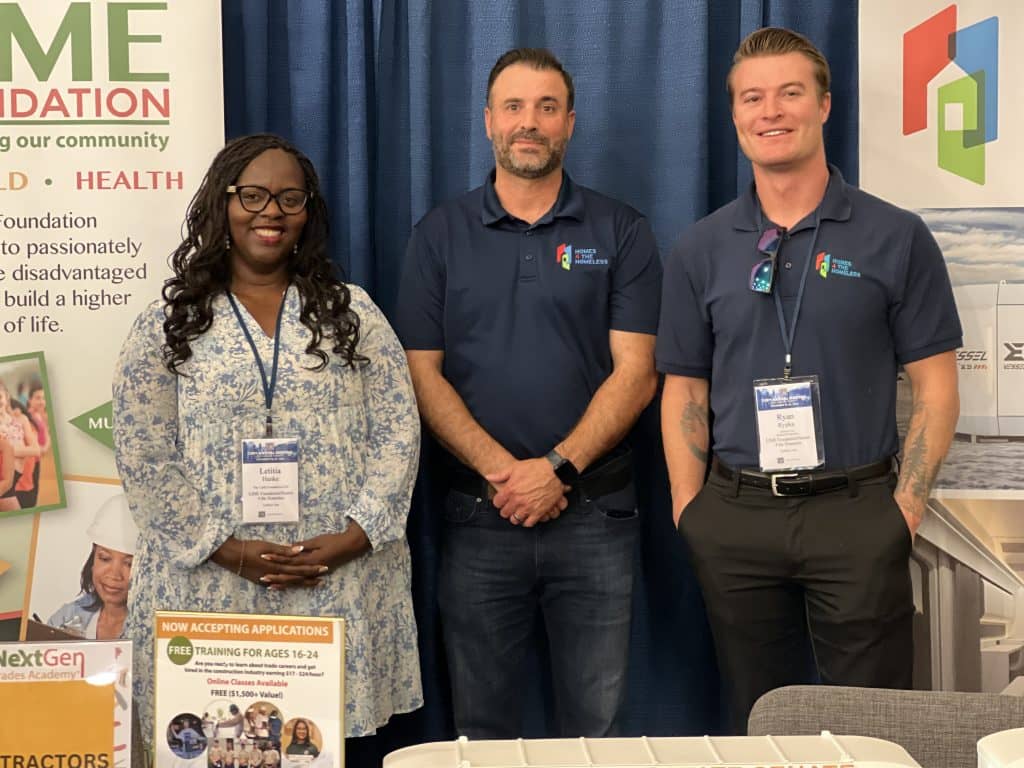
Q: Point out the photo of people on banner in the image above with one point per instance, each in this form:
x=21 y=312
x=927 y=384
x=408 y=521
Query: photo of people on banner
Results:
x=250 y=738
x=83 y=566
x=185 y=736
x=30 y=476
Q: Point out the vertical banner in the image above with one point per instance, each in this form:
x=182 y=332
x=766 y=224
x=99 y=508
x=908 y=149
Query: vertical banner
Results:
x=940 y=133
x=109 y=115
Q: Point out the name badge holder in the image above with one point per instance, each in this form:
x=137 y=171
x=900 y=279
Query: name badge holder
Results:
x=270 y=465
x=789 y=434
x=270 y=480
x=788 y=409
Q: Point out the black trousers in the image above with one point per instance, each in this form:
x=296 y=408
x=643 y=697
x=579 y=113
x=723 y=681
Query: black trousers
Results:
x=784 y=578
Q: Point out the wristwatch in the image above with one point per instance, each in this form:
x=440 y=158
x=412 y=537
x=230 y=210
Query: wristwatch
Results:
x=565 y=470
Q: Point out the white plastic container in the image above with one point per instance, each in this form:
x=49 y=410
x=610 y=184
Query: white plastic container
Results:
x=1002 y=750
x=824 y=751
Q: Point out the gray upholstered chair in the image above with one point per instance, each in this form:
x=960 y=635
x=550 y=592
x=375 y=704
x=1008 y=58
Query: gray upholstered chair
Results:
x=938 y=729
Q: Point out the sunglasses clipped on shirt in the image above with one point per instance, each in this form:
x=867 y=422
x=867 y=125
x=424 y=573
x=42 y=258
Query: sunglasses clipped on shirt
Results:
x=762 y=276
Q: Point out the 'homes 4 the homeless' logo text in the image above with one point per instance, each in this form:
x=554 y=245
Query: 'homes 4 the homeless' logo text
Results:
x=968 y=107
x=566 y=255
x=825 y=265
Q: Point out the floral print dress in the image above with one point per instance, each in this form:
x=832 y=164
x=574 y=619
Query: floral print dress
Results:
x=178 y=441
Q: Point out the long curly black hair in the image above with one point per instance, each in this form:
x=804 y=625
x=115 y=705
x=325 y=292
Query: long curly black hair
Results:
x=202 y=269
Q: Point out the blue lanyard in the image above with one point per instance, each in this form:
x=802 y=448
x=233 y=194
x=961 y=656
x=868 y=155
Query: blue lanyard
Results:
x=789 y=334
x=268 y=387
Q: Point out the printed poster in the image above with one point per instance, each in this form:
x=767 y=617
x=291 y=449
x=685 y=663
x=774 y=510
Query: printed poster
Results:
x=66 y=704
x=234 y=689
x=940 y=134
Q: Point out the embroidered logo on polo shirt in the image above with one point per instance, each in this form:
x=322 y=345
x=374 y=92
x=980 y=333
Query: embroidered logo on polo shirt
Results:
x=567 y=256
x=822 y=262
x=563 y=253
x=825 y=265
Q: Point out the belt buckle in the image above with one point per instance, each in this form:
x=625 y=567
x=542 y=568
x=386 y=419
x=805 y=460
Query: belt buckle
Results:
x=775 y=479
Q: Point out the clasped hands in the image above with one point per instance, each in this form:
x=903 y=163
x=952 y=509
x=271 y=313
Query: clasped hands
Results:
x=528 y=492
x=291 y=566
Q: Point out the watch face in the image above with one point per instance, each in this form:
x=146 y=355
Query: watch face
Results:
x=566 y=472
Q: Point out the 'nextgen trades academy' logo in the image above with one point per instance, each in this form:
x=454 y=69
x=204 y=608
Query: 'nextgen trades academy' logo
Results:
x=968 y=109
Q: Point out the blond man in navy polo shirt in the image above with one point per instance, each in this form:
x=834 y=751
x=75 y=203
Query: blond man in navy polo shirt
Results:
x=786 y=317
x=528 y=309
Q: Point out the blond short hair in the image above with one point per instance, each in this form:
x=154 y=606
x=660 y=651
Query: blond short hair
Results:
x=777 y=41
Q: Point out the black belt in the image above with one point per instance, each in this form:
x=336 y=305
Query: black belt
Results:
x=803 y=483
x=606 y=476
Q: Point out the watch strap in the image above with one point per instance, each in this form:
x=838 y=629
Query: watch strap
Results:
x=565 y=470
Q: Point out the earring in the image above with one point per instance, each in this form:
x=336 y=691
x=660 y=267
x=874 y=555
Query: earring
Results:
x=227 y=242
x=295 y=249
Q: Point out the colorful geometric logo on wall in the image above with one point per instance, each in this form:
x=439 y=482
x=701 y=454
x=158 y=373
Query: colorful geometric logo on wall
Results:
x=967 y=108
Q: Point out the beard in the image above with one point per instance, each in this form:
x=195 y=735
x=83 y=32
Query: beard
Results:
x=548 y=158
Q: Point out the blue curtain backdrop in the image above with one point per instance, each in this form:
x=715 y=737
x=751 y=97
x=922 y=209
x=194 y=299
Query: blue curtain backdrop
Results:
x=387 y=97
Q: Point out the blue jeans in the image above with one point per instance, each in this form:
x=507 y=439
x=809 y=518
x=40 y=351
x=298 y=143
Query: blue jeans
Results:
x=578 y=571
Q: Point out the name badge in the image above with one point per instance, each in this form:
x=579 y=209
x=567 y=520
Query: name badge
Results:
x=270 y=480
x=789 y=423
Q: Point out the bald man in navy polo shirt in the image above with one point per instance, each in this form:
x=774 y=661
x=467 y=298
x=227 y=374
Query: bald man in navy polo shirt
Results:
x=786 y=317
x=528 y=309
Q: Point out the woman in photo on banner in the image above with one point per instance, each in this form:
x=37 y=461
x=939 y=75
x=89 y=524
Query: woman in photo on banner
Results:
x=302 y=748
x=28 y=485
x=6 y=467
x=19 y=433
x=256 y=339
x=99 y=610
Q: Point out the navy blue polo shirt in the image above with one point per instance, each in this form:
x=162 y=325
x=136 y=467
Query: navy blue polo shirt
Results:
x=877 y=296
x=522 y=312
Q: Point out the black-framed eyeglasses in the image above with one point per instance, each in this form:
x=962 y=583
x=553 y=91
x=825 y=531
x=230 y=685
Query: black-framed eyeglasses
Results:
x=762 y=276
x=254 y=198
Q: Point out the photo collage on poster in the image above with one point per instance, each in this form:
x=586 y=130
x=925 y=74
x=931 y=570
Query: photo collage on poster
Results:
x=234 y=735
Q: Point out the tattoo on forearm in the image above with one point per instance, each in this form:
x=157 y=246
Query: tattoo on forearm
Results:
x=917 y=474
x=695 y=429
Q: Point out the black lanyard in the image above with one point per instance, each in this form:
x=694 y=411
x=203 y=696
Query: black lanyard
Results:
x=268 y=387
x=789 y=334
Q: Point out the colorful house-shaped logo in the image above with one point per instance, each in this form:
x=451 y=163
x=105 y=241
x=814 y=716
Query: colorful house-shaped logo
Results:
x=564 y=255
x=968 y=108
